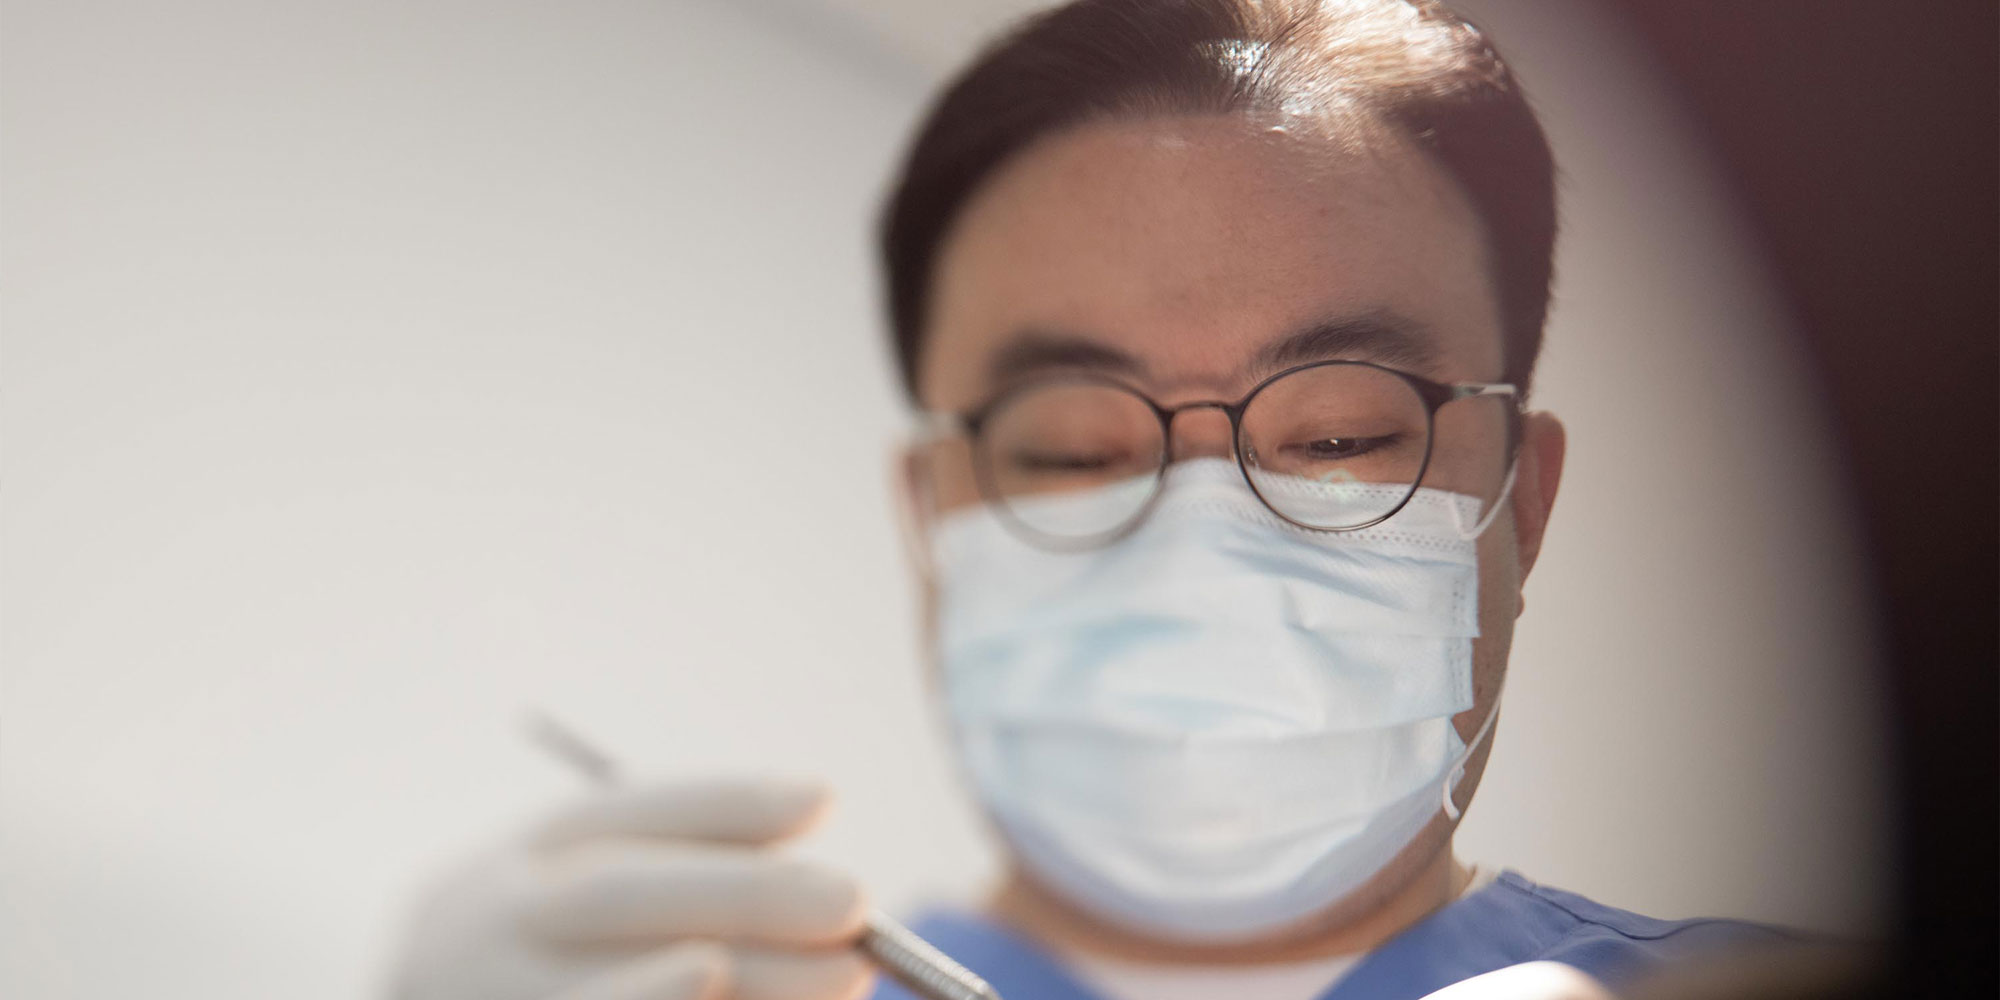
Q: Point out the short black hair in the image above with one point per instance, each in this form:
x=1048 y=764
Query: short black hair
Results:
x=1413 y=65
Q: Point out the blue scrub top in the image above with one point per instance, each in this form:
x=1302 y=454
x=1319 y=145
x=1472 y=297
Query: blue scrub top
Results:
x=1508 y=922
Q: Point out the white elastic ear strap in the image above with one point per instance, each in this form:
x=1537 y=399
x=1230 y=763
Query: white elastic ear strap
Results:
x=1486 y=520
x=1451 y=809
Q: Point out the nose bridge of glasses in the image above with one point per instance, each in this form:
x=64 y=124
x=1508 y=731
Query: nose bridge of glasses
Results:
x=1201 y=429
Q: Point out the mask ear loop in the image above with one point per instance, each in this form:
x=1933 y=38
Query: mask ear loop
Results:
x=1451 y=807
x=1486 y=520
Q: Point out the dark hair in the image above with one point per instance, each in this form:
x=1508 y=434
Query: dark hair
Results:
x=1413 y=65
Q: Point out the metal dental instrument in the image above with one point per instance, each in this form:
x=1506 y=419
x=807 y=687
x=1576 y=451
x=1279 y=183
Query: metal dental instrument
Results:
x=895 y=949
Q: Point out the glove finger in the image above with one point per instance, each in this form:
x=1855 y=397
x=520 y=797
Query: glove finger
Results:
x=614 y=893
x=692 y=970
x=765 y=974
x=738 y=810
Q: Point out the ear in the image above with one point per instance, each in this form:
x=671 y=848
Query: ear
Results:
x=1543 y=444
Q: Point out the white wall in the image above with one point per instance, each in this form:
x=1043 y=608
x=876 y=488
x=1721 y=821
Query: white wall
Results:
x=1690 y=726
x=373 y=371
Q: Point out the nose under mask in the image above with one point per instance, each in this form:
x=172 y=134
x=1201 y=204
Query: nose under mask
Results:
x=1221 y=723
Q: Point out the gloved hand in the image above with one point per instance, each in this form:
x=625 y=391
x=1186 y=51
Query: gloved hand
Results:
x=668 y=892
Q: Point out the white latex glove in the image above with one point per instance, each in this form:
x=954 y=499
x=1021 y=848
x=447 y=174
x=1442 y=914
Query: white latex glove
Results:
x=666 y=892
x=1527 y=981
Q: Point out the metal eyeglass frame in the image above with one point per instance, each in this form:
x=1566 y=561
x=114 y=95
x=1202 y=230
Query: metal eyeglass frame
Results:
x=1433 y=394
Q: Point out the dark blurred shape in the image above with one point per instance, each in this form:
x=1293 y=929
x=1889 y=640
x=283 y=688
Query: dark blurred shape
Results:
x=1802 y=973
x=1861 y=137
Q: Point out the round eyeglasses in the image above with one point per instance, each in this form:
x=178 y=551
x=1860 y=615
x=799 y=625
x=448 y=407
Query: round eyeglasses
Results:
x=1076 y=461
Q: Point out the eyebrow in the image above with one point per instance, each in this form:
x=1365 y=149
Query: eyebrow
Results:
x=1382 y=337
x=1385 y=338
x=1036 y=351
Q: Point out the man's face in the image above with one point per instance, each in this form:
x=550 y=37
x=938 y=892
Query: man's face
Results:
x=1174 y=252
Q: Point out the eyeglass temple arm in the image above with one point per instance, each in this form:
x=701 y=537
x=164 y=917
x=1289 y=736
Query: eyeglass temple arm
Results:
x=1475 y=390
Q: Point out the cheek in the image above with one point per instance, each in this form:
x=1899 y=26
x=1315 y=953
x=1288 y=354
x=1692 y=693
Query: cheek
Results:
x=1499 y=569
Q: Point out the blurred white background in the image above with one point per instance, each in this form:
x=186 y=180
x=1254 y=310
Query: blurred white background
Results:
x=374 y=371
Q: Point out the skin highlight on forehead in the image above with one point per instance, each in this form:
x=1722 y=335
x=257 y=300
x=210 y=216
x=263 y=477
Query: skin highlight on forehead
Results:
x=1190 y=243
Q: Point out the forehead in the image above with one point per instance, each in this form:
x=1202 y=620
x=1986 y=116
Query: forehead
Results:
x=1190 y=243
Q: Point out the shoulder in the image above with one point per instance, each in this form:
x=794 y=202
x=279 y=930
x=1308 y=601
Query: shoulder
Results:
x=1613 y=944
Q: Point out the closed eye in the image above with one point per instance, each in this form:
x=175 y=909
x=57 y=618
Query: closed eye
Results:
x=1038 y=461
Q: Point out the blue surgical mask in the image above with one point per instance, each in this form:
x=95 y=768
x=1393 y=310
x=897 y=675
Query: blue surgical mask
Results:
x=1221 y=723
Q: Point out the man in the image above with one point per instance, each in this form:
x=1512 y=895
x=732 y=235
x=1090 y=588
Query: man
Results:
x=1221 y=316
